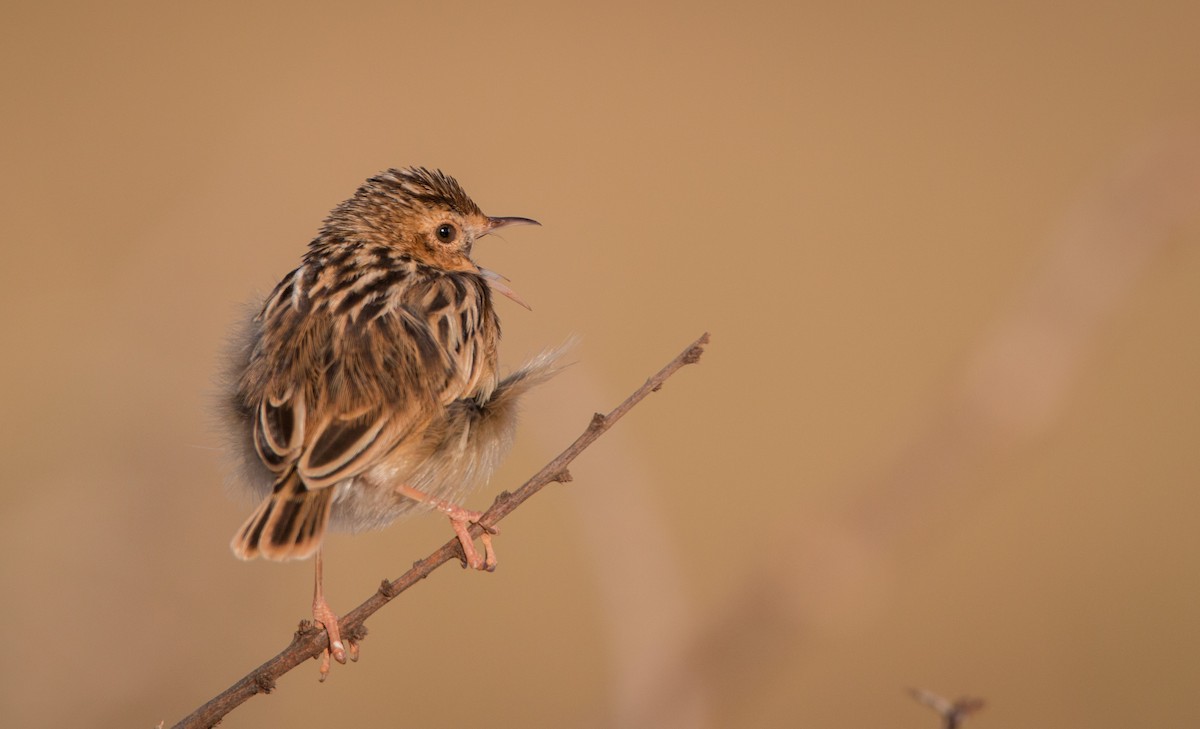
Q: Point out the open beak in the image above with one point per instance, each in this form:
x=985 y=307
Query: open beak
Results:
x=497 y=223
x=498 y=283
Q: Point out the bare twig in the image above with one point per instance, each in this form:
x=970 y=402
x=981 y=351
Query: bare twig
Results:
x=310 y=641
x=952 y=712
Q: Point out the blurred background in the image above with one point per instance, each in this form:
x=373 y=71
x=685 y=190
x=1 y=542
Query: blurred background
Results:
x=945 y=435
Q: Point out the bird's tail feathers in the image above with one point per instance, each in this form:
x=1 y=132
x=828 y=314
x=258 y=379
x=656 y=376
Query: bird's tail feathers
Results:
x=542 y=367
x=289 y=524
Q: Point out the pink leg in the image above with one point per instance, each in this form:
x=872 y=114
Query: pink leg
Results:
x=324 y=615
x=460 y=519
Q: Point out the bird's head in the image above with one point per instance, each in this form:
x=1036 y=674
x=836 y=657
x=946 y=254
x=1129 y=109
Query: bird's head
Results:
x=425 y=214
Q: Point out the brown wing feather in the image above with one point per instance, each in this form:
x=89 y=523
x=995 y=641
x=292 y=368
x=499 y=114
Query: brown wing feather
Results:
x=279 y=430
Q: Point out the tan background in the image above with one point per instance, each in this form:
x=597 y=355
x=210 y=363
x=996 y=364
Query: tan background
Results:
x=852 y=200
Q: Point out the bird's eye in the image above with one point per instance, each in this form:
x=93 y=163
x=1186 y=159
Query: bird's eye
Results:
x=446 y=233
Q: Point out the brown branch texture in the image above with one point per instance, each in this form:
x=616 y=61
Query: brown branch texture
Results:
x=310 y=640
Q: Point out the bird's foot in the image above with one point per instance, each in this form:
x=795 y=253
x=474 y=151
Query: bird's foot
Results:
x=337 y=650
x=461 y=519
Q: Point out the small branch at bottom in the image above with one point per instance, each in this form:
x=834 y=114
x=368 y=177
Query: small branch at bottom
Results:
x=310 y=641
x=952 y=712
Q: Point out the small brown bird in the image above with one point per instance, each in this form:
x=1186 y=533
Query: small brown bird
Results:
x=367 y=385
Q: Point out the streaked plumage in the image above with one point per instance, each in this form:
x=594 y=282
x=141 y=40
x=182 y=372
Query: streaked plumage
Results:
x=372 y=367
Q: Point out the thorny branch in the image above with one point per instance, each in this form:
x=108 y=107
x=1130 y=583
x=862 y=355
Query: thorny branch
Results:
x=310 y=641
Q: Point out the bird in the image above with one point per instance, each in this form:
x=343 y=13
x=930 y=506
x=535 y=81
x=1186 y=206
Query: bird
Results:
x=366 y=386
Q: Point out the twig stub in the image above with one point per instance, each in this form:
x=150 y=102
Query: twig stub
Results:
x=263 y=684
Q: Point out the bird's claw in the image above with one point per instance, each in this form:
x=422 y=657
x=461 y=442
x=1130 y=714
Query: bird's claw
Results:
x=461 y=523
x=338 y=653
x=335 y=649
